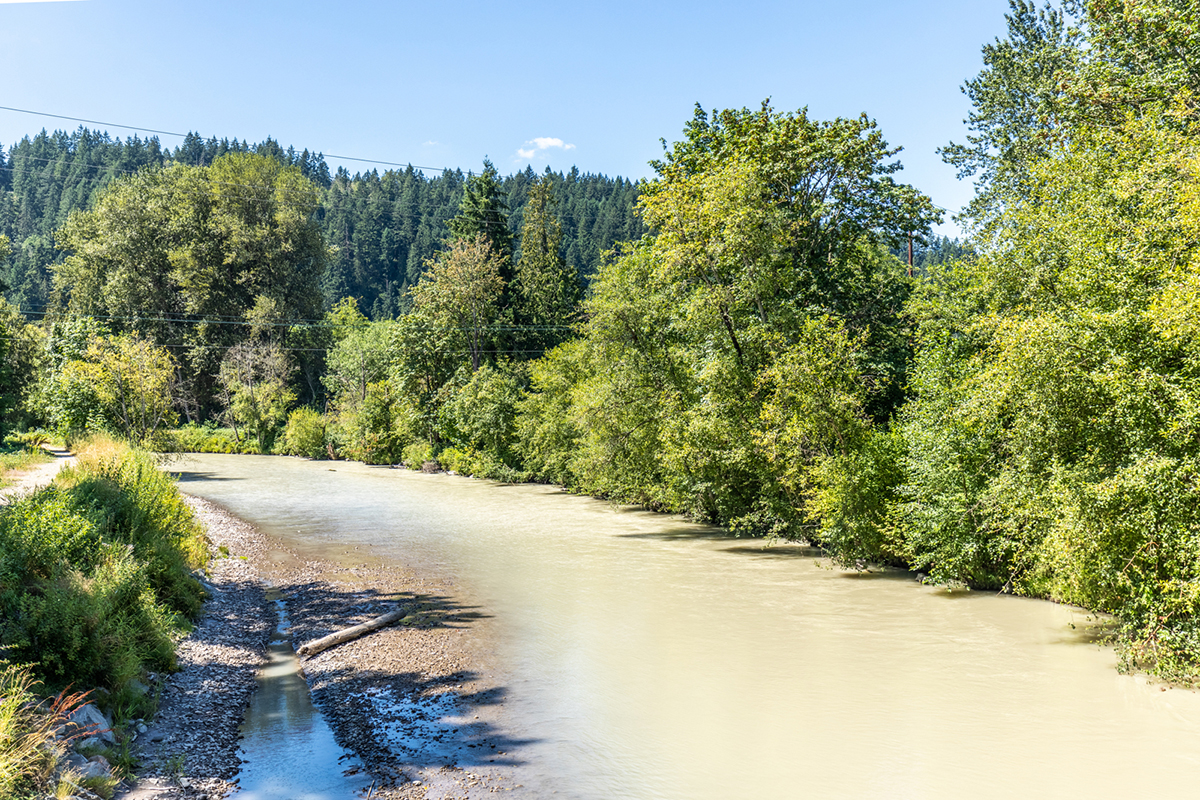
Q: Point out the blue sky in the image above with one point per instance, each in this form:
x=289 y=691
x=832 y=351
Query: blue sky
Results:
x=446 y=84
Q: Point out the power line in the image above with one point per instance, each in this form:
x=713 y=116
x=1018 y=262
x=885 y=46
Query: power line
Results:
x=185 y=135
x=48 y=312
x=116 y=174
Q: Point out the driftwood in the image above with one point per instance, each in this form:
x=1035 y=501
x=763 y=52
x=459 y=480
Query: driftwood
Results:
x=348 y=634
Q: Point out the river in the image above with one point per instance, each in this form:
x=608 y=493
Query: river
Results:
x=648 y=657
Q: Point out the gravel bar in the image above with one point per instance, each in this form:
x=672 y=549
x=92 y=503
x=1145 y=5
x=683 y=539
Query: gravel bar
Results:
x=387 y=695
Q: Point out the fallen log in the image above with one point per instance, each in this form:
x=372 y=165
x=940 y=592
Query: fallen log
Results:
x=348 y=634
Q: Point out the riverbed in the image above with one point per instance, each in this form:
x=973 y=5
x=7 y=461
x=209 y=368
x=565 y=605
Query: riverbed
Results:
x=641 y=656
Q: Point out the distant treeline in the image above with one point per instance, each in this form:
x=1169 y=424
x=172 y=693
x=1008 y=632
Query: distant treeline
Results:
x=384 y=227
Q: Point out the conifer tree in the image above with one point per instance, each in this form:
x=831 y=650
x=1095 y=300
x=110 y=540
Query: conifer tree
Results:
x=484 y=210
x=548 y=290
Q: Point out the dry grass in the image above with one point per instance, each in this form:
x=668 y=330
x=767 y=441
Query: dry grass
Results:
x=31 y=746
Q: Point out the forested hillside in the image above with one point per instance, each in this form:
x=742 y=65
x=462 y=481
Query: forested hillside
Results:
x=383 y=227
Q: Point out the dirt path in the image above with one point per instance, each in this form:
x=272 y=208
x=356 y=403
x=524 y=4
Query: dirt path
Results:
x=37 y=476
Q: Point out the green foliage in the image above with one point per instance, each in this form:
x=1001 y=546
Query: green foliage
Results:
x=371 y=430
x=361 y=355
x=304 y=434
x=209 y=242
x=1017 y=101
x=95 y=572
x=765 y=294
x=547 y=288
x=484 y=212
x=208 y=438
x=547 y=433
x=1051 y=446
x=61 y=396
x=1141 y=55
x=255 y=391
x=132 y=383
x=482 y=414
x=417 y=454
x=20 y=356
x=460 y=295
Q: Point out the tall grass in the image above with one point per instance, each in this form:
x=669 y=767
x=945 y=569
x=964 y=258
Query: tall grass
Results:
x=30 y=744
x=96 y=580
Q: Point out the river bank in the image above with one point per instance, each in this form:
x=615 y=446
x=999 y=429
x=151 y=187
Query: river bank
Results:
x=406 y=700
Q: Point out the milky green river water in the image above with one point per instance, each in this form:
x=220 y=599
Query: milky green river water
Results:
x=646 y=657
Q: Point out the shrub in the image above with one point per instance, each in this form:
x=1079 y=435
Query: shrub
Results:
x=96 y=571
x=304 y=434
x=370 y=429
x=193 y=438
x=417 y=454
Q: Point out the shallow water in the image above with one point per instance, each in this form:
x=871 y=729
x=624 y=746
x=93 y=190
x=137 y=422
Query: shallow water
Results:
x=652 y=658
x=288 y=747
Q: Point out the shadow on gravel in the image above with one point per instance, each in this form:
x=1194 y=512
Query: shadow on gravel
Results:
x=392 y=706
x=317 y=606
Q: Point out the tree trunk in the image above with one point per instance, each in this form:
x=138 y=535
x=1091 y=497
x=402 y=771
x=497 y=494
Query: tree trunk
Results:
x=348 y=634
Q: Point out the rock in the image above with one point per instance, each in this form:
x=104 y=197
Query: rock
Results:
x=75 y=761
x=91 y=721
x=137 y=687
x=141 y=728
x=90 y=743
x=96 y=769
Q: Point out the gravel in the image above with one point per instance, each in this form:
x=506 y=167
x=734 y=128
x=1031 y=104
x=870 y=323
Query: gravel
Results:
x=416 y=702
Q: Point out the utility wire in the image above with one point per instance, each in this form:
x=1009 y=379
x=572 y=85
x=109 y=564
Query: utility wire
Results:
x=185 y=135
x=295 y=323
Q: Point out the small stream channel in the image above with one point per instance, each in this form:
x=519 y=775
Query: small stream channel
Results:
x=287 y=746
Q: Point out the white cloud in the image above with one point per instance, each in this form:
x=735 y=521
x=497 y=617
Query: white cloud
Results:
x=541 y=143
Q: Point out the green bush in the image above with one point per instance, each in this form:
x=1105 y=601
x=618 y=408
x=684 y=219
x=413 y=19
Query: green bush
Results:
x=481 y=415
x=193 y=438
x=96 y=571
x=452 y=459
x=304 y=434
x=417 y=454
x=479 y=464
x=370 y=428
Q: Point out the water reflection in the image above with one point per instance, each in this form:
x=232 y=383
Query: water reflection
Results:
x=287 y=746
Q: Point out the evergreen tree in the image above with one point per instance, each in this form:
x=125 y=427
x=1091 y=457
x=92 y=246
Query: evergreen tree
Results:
x=548 y=290
x=484 y=210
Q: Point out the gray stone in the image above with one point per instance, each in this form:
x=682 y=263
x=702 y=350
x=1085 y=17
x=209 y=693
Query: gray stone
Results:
x=89 y=718
x=98 y=767
x=137 y=687
x=141 y=728
x=90 y=743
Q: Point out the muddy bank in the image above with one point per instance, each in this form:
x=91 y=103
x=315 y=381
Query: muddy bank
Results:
x=414 y=702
